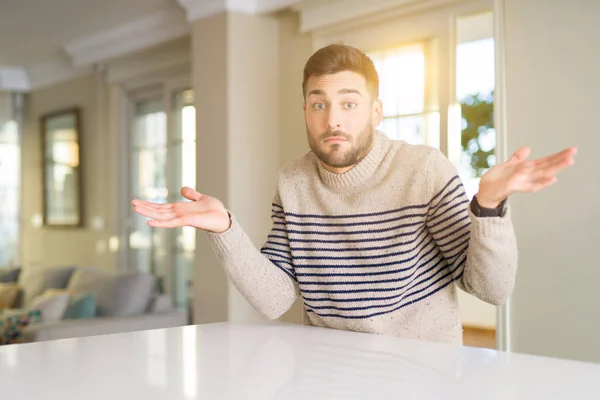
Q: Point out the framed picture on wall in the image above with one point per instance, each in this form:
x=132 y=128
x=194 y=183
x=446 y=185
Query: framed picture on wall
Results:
x=61 y=152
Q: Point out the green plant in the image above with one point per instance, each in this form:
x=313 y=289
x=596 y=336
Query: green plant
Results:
x=478 y=119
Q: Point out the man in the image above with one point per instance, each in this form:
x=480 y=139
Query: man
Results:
x=374 y=234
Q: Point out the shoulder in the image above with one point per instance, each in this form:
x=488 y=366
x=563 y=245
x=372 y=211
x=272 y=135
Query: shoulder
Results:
x=428 y=163
x=419 y=156
x=298 y=168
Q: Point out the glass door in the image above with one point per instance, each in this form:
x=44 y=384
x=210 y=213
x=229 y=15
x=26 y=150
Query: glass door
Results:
x=162 y=161
x=148 y=180
x=182 y=162
x=10 y=180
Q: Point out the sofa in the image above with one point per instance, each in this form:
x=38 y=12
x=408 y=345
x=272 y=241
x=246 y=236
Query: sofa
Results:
x=59 y=302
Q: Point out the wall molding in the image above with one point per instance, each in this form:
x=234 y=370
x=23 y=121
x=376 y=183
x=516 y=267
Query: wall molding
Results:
x=341 y=14
x=53 y=72
x=199 y=9
x=13 y=79
x=133 y=36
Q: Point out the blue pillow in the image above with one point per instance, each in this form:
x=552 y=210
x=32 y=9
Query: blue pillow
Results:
x=81 y=306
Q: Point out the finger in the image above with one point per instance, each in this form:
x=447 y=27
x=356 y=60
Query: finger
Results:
x=164 y=207
x=520 y=155
x=567 y=153
x=161 y=215
x=170 y=223
x=550 y=169
x=191 y=194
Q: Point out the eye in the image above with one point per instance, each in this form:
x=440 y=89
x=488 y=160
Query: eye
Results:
x=319 y=106
x=349 y=105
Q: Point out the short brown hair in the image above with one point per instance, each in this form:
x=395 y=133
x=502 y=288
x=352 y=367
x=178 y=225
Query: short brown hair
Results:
x=337 y=58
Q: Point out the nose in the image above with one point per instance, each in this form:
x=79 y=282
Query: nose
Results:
x=333 y=119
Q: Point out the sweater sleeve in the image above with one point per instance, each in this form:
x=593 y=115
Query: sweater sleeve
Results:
x=264 y=277
x=480 y=251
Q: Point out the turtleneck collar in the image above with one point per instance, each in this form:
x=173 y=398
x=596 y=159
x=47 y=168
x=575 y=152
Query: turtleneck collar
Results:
x=362 y=171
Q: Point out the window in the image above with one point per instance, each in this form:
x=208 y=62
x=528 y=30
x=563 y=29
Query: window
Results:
x=163 y=159
x=183 y=151
x=10 y=186
x=408 y=112
x=475 y=79
x=148 y=182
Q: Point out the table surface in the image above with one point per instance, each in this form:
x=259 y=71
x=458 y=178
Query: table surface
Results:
x=280 y=361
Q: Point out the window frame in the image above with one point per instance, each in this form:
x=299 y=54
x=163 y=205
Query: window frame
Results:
x=144 y=89
x=435 y=26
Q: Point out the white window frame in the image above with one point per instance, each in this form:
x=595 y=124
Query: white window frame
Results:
x=436 y=28
x=134 y=91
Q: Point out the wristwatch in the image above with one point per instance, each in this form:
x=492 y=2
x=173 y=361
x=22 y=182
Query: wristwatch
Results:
x=479 y=211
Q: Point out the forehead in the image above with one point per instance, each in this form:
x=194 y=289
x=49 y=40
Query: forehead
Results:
x=333 y=83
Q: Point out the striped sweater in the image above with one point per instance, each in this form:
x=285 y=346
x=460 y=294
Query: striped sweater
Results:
x=378 y=249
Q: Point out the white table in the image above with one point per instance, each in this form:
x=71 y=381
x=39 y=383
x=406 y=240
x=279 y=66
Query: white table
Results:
x=277 y=361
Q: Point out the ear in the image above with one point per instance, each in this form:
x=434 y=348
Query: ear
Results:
x=377 y=112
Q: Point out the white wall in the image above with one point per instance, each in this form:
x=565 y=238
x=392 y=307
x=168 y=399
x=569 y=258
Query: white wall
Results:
x=86 y=245
x=253 y=133
x=247 y=71
x=552 y=86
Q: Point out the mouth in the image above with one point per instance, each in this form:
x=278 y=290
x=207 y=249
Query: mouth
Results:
x=335 y=139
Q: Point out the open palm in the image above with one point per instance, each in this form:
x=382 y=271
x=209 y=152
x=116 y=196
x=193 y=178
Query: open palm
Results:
x=520 y=175
x=202 y=212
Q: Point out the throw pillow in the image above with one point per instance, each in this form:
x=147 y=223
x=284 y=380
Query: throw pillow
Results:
x=13 y=323
x=36 y=280
x=8 y=295
x=52 y=306
x=81 y=306
x=127 y=294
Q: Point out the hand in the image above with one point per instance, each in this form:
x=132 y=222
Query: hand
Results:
x=203 y=212
x=519 y=175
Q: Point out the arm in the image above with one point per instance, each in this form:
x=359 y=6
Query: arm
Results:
x=265 y=278
x=481 y=251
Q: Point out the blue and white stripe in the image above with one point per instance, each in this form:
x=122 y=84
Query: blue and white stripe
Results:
x=364 y=265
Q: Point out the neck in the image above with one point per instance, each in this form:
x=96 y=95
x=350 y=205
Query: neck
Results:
x=342 y=170
x=337 y=170
x=357 y=175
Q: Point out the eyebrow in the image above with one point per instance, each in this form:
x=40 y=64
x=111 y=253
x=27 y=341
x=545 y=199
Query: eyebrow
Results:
x=341 y=91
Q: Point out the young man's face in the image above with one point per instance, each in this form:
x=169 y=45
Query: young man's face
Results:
x=341 y=117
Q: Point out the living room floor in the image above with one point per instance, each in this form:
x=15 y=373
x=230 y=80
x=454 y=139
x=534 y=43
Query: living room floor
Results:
x=479 y=337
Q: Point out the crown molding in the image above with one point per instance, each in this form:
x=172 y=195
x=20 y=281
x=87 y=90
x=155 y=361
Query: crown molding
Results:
x=133 y=36
x=199 y=9
x=269 y=6
x=53 y=72
x=13 y=79
x=148 y=64
x=322 y=15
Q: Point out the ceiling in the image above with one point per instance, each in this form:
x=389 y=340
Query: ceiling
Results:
x=34 y=31
x=43 y=42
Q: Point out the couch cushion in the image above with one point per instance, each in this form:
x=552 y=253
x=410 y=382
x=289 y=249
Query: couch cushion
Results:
x=125 y=295
x=10 y=275
x=89 y=280
x=51 y=305
x=36 y=280
x=81 y=306
x=8 y=295
x=160 y=303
